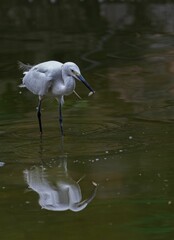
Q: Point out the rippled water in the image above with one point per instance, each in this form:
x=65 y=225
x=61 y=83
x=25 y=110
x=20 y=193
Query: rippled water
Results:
x=111 y=176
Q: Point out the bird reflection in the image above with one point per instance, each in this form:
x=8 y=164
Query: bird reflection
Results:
x=57 y=190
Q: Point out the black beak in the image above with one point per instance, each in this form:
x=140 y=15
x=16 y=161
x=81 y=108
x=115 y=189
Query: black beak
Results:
x=81 y=78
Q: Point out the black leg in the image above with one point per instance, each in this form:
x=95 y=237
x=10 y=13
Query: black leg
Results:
x=39 y=114
x=60 y=119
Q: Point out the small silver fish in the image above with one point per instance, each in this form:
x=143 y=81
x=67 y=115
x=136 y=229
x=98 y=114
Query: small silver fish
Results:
x=91 y=93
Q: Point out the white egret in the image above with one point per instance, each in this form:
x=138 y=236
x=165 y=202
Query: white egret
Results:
x=52 y=78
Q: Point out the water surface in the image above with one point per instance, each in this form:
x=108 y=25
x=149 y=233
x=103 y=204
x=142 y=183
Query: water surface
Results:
x=118 y=144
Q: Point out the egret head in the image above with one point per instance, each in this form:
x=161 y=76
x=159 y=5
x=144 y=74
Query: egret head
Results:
x=73 y=70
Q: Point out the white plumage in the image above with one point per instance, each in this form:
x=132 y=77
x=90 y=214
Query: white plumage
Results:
x=53 y=78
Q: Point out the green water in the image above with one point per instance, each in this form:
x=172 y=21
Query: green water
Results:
x=118 y=147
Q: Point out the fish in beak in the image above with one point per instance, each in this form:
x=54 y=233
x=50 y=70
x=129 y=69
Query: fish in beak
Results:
x=81 y=78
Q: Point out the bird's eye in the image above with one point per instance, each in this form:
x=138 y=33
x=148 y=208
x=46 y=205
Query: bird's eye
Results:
x=72 y=70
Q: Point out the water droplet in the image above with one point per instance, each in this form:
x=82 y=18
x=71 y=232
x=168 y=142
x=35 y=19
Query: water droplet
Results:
x=159 y=175
x=2 y=164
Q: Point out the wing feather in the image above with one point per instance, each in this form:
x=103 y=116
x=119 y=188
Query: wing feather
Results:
x=39 y=78
x=37 y=82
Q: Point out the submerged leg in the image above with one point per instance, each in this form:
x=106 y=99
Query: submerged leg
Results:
x=61 y=119
x=39 y=114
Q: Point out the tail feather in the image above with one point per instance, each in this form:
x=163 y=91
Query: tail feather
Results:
x=24 y=67
x=21 y=85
